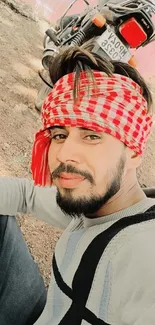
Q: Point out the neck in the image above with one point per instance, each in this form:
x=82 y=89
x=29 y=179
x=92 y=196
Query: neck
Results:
x=129 y=194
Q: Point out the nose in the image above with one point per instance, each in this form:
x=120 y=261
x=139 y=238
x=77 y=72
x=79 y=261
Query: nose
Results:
x=69 y=152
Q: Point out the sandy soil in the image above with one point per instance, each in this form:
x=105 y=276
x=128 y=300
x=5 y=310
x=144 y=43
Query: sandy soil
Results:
x=20 y=58
x=21 y=35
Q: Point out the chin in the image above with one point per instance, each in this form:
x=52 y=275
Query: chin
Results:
x=68 y=191
x=75 y=193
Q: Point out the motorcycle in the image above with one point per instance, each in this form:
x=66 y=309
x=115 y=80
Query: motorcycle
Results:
x=118 y=27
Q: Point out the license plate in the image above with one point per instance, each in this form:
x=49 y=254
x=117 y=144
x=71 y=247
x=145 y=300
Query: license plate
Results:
x=113 y=47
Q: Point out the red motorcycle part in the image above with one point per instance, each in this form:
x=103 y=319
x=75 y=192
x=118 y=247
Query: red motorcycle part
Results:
x=133 y=33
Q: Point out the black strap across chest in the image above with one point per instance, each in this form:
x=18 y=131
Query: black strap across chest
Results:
x=84 y=275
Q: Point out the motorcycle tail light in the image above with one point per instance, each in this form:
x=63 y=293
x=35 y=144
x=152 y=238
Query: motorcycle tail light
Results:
x=133 y=33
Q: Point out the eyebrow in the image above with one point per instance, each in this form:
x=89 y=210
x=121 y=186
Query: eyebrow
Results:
x=63 y=128
x=56 y=127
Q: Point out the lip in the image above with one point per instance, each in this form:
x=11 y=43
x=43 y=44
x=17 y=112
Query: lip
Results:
x=67 y=180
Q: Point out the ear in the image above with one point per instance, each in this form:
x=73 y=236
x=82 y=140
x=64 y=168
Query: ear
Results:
x=133 y=159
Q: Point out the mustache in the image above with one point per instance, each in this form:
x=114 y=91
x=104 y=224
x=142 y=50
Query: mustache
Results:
x=62 y=168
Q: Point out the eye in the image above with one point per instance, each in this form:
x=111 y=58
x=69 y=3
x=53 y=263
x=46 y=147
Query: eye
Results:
x=58 y=137
x=92 y=137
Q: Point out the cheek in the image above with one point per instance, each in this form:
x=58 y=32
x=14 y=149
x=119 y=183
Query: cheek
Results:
x=104 y=165
x=51 y=158
x=97 y=163
x=101 y=169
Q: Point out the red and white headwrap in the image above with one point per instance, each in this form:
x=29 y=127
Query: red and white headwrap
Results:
x=115 y=106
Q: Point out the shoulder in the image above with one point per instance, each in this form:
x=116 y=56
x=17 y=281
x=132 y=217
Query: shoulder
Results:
x=133 y=273
x=136 y=246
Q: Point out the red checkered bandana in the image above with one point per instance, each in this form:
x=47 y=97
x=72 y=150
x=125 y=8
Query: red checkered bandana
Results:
x=115 y=106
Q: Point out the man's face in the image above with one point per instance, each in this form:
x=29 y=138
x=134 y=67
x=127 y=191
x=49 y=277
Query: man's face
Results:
x=86 y=167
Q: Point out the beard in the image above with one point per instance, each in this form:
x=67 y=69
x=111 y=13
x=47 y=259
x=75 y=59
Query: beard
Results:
x=89 y=205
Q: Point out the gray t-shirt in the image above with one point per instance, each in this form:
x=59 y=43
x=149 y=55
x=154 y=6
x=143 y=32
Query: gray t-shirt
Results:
x=123 y=288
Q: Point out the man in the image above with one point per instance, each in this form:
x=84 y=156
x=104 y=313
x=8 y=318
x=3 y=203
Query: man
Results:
x=96 y=122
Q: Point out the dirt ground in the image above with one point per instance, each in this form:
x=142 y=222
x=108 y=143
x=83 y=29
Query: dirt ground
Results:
x=21 y=35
